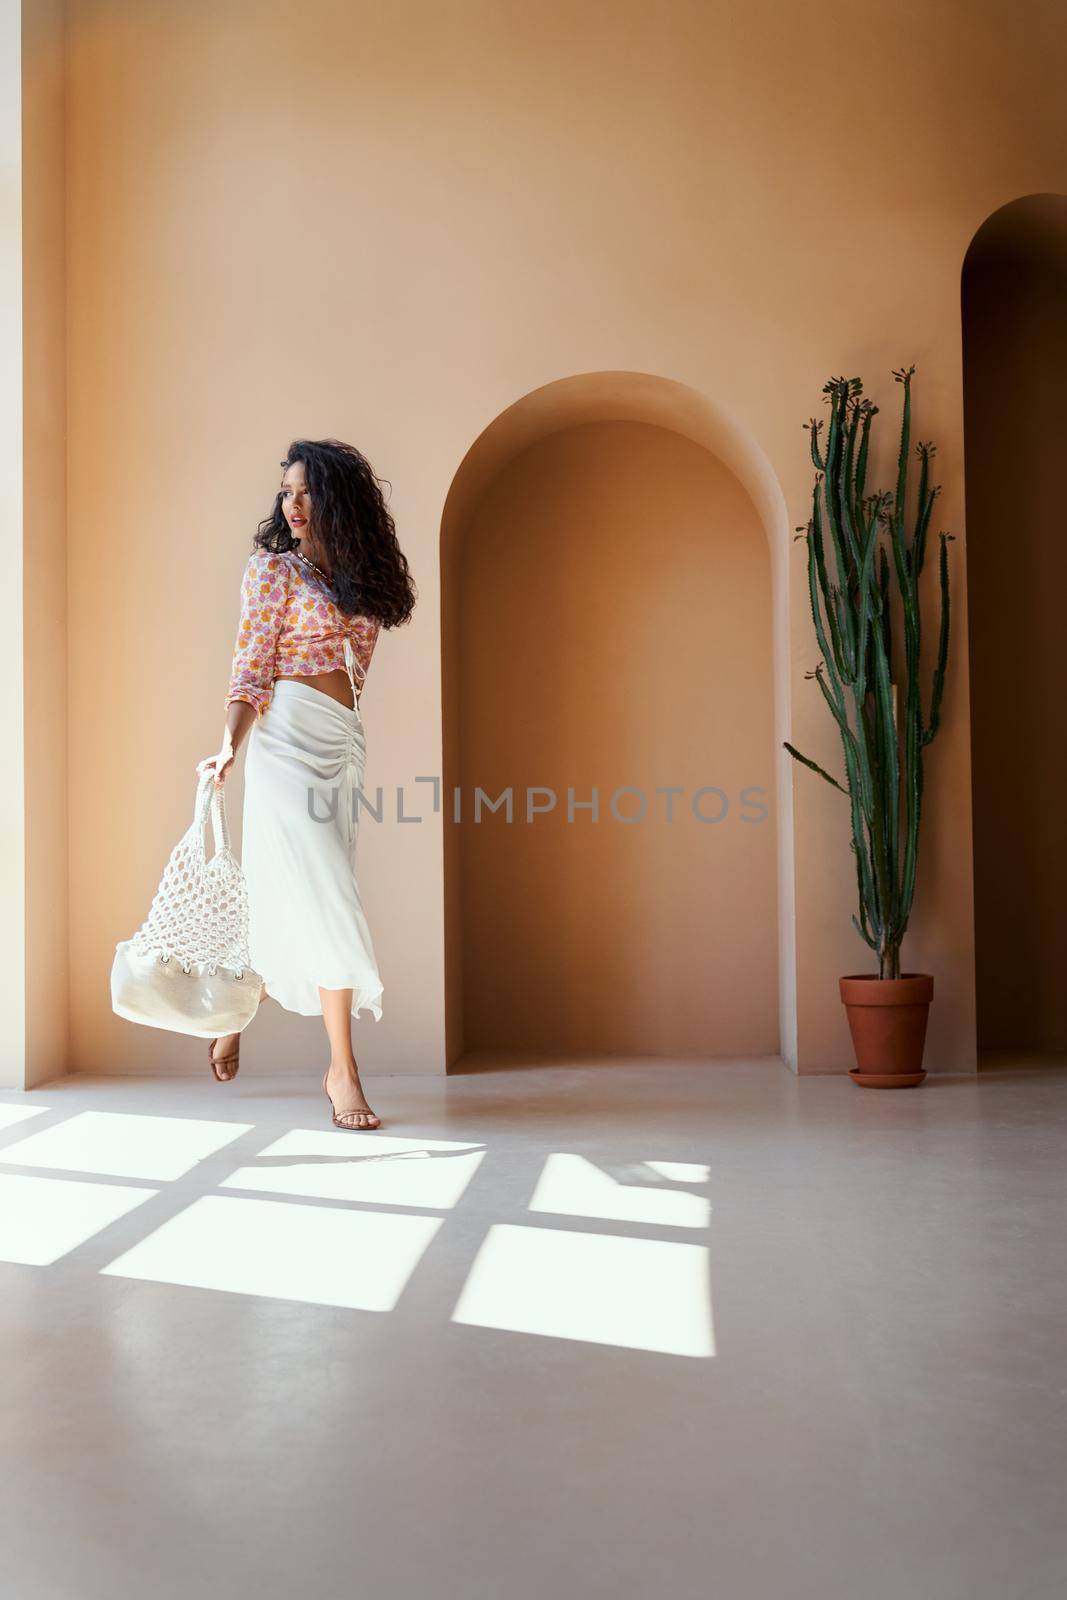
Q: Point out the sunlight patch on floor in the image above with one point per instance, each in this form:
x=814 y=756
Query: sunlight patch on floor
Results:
x=570 y=1185
x=320 y=1255
x=119 y=1144
x=42 y=1219
x=642 y=1294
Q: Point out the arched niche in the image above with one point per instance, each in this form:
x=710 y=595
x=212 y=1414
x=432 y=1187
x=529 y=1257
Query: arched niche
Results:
x=561 y=664
x=1014 y=315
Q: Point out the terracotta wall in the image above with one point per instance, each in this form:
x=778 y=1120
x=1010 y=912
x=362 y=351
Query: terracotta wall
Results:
x=391 y=224
x=1015 y=354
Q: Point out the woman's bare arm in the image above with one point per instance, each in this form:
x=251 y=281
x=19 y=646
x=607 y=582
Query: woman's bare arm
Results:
x=240 y=715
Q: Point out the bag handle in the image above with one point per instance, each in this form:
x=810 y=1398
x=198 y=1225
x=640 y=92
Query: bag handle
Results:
x=211 y=795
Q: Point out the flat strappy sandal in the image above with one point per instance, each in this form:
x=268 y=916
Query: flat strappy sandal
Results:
x=350 y=1127
x=220 y=1061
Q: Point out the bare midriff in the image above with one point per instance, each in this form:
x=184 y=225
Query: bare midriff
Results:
x=336 y=684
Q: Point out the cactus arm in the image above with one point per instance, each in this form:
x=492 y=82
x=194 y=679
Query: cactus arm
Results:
x=869 y=412
x=845 y=489
x=884 y=614
x=819 y=584
x=896 y=521
x=876 y=820
x=889 y=816
x=859 y=683
x=942 y=645
x=866 y=866
x=867 y=599
x=814 y=765
x=835 y=701
x=912 y=796
x=854 y=765
x=814 y=426
x=865 y=902
x=911 y=719
x=927 y=496
x=838 y=489
x=904 y=376
x=908 y=886
x=846 y=624
x=832 y=477
x=866 y=876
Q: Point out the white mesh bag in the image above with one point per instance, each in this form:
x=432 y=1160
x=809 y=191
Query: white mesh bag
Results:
x=187 y=967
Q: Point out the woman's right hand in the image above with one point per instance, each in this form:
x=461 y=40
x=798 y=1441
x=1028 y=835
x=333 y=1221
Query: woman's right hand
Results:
x=220 y=765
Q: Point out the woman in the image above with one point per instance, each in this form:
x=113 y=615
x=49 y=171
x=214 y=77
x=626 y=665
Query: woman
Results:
x=326 y=574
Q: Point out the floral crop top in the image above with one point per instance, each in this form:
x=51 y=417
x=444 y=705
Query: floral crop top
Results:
x=290 y=625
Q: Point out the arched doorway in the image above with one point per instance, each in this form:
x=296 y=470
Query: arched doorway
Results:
x=1014 y=310
x=608 y=622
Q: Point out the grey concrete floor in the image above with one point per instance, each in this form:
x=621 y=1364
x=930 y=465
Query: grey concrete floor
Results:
x=614 y=1329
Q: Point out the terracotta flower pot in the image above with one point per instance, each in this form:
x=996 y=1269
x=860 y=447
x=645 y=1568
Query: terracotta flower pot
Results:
x=887 y=1017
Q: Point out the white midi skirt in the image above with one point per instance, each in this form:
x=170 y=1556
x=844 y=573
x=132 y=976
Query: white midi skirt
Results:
x=306 y=758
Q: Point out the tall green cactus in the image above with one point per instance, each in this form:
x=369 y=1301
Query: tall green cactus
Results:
x=883 y=732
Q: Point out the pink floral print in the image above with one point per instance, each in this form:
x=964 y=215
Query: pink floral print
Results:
x=290 y=626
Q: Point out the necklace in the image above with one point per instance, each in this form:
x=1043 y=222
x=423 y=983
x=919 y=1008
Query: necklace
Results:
x=309 y=563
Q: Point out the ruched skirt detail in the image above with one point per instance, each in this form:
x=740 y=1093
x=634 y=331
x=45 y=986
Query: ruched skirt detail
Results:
x=304 y=768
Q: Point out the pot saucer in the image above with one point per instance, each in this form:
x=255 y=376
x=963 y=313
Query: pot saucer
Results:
x=886 y=1080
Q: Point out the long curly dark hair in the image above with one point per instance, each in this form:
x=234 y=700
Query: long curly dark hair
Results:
x=368 y=570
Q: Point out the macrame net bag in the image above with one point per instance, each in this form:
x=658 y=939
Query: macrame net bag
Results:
x=187 y=967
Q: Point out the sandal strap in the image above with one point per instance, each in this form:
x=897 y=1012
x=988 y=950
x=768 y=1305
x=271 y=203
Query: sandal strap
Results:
x=338 y=1116
x=221 y=1061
